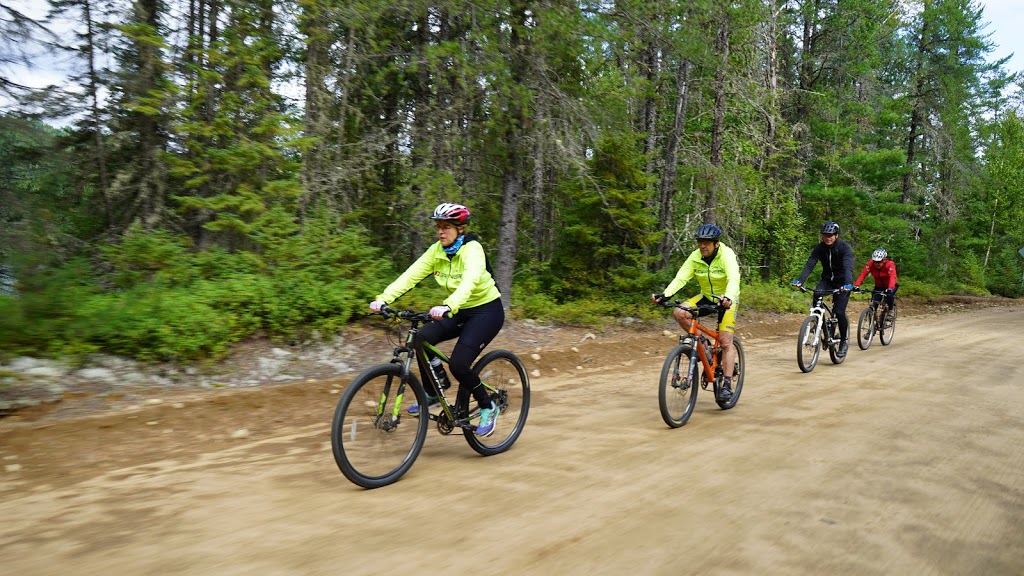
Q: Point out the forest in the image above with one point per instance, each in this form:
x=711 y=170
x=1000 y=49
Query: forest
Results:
x=215 y=170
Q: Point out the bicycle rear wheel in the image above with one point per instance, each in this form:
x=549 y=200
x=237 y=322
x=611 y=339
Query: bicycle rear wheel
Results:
x=374 y=440
x=677 y=395
x=509 y=386
x=807 y=346
x=888 y=326
x=866 y=328
x=832 y=329
x=737 y=378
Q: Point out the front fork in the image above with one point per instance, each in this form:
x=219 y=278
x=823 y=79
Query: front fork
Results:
x=817 y=329
x=694 y=357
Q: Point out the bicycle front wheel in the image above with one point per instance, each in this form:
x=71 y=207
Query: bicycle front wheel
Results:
x=504 y=375
x=807 y=346
x=375 y=441
x=888 y=326
x=739 y=368
x=677 y=394
x=866 y=328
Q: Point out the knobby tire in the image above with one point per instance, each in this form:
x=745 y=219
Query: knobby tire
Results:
x=807 y=354
x=888 y=327
x=866 y=328
x=737 y=379
x=367 y=453
x=676 y=397
x=504 y=371
x=833 y=347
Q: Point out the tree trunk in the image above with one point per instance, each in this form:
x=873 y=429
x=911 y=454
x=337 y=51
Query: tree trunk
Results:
x=718 y=120
x=511 y=189
x=668 y=180
x=93 y=89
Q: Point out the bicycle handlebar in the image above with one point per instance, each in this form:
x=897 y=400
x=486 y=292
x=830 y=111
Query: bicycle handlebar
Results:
x=388 y=312
x=803 y=288
x=700 y=308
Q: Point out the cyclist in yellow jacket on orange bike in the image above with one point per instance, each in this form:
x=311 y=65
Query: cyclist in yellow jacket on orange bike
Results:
x=717 y=271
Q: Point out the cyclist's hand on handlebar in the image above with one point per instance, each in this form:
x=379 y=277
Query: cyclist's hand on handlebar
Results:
x=847 y=287
x=657 y=298
x=796 y=283
x=725 y=302
x=439 y=312
x=376 y=305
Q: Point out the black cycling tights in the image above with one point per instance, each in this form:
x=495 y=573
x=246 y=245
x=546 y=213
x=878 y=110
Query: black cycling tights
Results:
x=839 y=302
x=475 y=328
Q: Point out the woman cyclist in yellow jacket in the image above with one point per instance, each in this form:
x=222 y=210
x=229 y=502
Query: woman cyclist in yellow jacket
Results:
x=718 y=272
x=472 y=312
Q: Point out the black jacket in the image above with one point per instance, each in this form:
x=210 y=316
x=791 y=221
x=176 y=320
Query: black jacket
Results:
x=836 y=263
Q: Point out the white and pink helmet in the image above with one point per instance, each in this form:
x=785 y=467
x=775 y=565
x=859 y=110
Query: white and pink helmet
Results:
x=455 y=213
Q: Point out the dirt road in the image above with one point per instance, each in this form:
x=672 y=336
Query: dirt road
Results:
x=906 y=459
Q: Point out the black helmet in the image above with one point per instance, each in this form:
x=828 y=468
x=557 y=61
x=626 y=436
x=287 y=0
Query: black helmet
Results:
x=830 y=227
x=707 y=232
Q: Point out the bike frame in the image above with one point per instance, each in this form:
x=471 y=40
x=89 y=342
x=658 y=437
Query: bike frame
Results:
x=819 y=308
x=709 y=365
x=692 y=334
x=418 y=348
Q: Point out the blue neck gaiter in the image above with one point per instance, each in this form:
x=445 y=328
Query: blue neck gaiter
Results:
x=451 y=250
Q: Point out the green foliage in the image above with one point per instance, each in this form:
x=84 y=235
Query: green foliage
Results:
x=604 y=238
x=43 y=315
x=1005 y=273
x=914 y=287
x=772 y=297
x=769 y=249
x=244 y=205
x=170 y=303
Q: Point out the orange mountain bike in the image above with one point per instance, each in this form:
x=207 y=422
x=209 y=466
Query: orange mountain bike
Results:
x=681 y=374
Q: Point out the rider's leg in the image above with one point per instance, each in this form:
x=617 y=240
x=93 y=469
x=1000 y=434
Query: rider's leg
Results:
x=839 y=302
x=728 y=353
x=434 y=333
x=725 y=335
x=480 y=325
x=891 y=298
x=682 y=318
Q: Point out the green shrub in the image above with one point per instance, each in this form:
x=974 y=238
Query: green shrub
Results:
x=156 y=324
x=772 y=297
x=913 y=287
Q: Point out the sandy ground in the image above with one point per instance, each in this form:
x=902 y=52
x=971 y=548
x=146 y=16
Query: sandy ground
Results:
x=906 y=459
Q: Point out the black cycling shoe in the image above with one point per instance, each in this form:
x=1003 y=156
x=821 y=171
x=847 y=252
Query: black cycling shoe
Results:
x=842 y=349
x=725 y=392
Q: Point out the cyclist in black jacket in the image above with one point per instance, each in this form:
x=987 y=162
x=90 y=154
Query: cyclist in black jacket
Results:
x=837 y=261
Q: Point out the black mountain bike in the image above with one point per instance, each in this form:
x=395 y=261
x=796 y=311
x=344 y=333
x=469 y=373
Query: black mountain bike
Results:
x=376 y=441
x=878 y=318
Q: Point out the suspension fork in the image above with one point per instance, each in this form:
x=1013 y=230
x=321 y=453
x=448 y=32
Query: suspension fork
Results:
x=817 y=311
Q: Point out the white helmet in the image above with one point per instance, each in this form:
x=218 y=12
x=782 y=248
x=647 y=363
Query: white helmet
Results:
x=879 y=255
